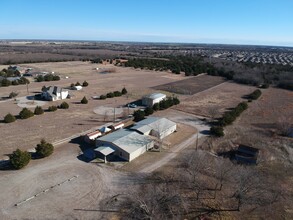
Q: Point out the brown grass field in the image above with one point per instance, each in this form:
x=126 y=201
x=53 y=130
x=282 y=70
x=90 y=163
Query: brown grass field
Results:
x=81 y=197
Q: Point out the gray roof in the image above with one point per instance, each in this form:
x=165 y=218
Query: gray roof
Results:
x=153 y=123
x=127 y=140
x=105 y=150
x=156 y=96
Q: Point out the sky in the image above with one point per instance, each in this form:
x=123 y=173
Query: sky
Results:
x=252 y=22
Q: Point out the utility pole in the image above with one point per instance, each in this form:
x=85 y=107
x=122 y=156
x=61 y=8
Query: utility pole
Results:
x=196 y=146
x=27 y=88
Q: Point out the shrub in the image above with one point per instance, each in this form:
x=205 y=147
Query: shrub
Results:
x=49 y=77
x=156 y=107
x=9 y=118
x=117 y=93
x=110 y=95
x=148 y=111
x=23 y=81
x=44 y=89
x=103 y=97
x=13 y=94
x=138 y=115
x=38 y=110
x=124 y=91
x=56 y=78
x=84 y=100
x=25 y=113
x=15 y=83
x=44 y=149
x=72 y=85
x=255 y=95
x=64 y=105
x=85 y=84
x=5 y=82
x=176 y=101
x=217 y=131
x=40 y=78
x=77 y=84
x=52 y=108
x=19 y=159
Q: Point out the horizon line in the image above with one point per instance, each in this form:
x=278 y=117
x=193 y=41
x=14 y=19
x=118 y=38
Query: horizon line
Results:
x=149 y=42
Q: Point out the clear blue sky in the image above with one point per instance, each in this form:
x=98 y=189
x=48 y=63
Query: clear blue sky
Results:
x=262 y=22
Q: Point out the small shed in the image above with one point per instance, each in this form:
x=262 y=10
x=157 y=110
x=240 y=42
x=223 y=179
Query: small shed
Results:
x=246 y=154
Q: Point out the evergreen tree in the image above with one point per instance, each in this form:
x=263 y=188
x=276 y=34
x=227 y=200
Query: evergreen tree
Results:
x=19 y=159
x=44 y=149
x=9 y=118
x=84 y=100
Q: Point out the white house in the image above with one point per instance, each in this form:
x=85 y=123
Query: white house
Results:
x=77 y=87
x=152 y=99
x=124 y=143
x=54 y=93
x=154 y=126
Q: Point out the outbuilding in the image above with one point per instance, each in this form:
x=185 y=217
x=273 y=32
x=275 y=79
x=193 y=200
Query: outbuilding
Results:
x=90 y=137
x=155 y=126
x=54 y=93
x=152 y=99
x=127 y=144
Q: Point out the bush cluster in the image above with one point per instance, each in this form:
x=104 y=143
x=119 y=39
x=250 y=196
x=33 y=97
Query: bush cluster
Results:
x=47 y=78
x=19 y=159
x=9 y=118
x=22 y=81
x=114 y=94
x=164 y=104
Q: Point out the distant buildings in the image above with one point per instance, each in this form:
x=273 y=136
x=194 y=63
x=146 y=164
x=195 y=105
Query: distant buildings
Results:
x=54 y=93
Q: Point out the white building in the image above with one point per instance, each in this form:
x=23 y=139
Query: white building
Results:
x=124 y=143
x=152 y=99
x=54 y=93
x=158 y=127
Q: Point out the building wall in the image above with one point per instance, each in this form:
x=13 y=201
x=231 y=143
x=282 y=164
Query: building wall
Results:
x=150 y=102
x=164 y=133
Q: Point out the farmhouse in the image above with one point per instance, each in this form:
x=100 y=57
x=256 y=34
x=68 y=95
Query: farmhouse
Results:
x=152 y=99
x=54 y=93
x=158 y=127
x=125 y=144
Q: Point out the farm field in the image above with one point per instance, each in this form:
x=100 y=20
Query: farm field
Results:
x=191 y=85
x=218 y=99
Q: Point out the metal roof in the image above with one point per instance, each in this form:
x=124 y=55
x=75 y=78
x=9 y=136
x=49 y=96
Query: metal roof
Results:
x=153 y=123
x=156 y=96
x=105 y=150
x=127 y=140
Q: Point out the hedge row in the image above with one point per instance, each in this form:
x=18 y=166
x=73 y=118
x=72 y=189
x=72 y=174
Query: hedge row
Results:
x=25 y=113
x=227 y=119
x=114 y=94
x=255 y=95
x=164 y=104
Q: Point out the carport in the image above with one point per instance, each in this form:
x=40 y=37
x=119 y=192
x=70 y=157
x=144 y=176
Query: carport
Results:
x=105 y=151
